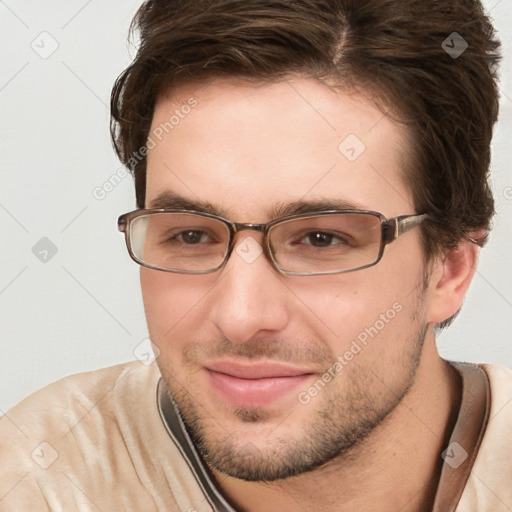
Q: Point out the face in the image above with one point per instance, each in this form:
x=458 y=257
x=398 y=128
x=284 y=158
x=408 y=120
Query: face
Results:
x=276 y=375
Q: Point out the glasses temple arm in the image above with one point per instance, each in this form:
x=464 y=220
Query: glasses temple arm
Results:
x=400 y=225
x=122 y=223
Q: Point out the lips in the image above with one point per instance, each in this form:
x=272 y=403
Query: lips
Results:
x=256 y=384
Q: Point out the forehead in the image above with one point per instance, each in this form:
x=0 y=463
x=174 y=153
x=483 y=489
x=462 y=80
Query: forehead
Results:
x=247 y=148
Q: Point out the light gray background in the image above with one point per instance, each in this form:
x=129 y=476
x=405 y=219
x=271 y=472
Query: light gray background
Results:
x=81 y=309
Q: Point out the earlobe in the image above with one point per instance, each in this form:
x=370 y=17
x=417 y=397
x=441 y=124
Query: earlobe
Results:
x=451 y=275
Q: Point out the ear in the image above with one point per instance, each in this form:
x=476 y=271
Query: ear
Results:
x=451 y=275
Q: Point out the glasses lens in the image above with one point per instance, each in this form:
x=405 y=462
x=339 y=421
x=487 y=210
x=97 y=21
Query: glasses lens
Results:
x=179 y=241
x=326 y=243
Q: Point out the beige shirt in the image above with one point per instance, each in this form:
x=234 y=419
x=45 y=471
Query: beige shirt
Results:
x=96 y=441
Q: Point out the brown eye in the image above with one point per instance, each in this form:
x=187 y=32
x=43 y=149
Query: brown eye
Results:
x=321 y=239
x=192 y=237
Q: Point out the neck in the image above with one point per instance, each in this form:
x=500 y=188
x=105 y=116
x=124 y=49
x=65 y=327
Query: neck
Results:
x=397 y=467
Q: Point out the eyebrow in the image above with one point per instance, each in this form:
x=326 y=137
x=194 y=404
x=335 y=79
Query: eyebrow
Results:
x=171 y=201
x=302 y=206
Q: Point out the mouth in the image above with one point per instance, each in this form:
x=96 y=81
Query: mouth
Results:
x=254 y=385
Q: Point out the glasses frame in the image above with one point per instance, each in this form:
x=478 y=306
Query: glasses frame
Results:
x=391 y=229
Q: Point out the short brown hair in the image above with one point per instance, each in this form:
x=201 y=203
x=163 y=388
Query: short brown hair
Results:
x=398 y=51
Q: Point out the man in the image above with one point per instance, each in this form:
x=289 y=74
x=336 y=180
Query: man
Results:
x=312 y=192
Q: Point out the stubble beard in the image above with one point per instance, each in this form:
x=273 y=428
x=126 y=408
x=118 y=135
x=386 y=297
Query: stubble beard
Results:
x=347 y=417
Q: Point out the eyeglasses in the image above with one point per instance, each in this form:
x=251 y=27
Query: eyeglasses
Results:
x=325 y=242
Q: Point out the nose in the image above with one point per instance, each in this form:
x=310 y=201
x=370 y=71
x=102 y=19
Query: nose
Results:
x=249 y=296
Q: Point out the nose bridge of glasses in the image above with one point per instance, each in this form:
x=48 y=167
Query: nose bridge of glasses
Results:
x=241 y=226
x=236 y=227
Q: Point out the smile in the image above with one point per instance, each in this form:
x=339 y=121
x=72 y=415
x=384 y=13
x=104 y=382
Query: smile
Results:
x=255 y=385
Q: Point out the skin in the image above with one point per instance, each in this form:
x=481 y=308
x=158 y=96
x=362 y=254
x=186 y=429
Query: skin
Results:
x=372 y=437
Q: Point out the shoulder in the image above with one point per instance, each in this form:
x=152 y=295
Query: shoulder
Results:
x=91 y=440
x=56 y=408
x=500 y=412
x=489 y=485
x=497 y=373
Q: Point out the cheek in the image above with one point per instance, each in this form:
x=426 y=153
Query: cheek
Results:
x=171 y=301
x=377 y=303
x=346 y=303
